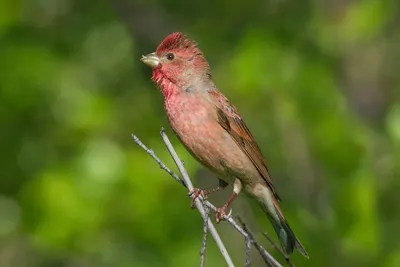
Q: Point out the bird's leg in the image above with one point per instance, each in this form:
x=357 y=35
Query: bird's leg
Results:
x=221 y=212
x=196 y=192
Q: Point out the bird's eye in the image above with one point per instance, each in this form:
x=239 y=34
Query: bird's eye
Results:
x=170 y=56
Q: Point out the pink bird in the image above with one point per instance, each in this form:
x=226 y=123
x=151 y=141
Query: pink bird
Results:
x=213 y=131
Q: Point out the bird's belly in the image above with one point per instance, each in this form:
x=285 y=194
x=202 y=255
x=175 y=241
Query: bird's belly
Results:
x=200 y=132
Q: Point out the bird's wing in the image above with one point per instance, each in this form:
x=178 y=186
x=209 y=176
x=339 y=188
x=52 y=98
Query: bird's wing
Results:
x=229 y=118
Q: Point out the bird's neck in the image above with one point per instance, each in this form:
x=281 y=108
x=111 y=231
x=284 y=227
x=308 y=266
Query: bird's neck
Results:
x=169 y=88
x=166 y=86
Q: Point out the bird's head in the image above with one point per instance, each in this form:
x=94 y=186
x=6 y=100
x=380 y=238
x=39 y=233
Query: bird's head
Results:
x=177 y=61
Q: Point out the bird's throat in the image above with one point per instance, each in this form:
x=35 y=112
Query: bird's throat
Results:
x=166 y=86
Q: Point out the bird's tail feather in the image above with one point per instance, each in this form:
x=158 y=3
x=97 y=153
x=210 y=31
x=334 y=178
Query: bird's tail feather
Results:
x=285 y=234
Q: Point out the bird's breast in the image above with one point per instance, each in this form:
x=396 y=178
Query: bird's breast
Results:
x=194 y=120
x=194 y=123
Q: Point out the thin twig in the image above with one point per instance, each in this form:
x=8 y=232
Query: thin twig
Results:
x=204 y=243
x=179 y=180
x=160 y=163
x=277 y=248
x=188 y=184
x=268 y=259
x=248 y=253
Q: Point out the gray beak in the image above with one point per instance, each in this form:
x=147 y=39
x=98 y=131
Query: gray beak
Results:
x=151 y=60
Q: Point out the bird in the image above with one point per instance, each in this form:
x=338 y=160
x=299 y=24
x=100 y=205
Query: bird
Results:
x=214 y=132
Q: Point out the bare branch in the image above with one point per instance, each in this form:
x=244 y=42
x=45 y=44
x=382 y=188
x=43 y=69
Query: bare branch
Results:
x=204 y=244
x=248 y=253
x=160 y=163
x=268 y=259
x=186 y=182
x=198 y=202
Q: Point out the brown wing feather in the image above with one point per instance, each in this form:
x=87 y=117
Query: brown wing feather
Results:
x=231 y=121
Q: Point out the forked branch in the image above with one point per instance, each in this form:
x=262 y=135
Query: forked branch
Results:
x=201 y=204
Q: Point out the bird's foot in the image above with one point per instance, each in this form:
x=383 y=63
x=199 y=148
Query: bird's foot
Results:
x=194 y=194
x=220 y=213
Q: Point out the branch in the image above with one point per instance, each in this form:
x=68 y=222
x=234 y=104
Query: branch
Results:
x=268 y=259
x=248 y=253
x=204 y=243
x=186 y=182
x=198 y=202
x=160 y=163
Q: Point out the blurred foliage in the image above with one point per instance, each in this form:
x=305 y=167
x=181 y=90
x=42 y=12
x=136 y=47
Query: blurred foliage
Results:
x=316 y=81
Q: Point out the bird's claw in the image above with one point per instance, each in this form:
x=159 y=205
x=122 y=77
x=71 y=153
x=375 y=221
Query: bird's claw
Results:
x=220 y=214
x=194 y=194
x=230 y=213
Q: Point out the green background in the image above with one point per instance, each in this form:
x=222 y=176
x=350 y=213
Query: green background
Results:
x=316 y=81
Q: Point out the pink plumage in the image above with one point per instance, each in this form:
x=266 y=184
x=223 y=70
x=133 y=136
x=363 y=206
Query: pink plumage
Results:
x=213 y=131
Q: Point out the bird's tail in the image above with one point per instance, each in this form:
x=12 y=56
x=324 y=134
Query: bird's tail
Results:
x=285 y=234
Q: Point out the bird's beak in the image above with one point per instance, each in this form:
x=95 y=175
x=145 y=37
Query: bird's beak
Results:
x=151 y=60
